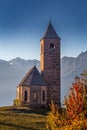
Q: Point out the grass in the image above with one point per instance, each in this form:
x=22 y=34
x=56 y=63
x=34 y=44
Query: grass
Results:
x=22 y=118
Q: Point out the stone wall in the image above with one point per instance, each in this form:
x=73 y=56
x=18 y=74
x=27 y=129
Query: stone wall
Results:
x=31 y=100
x=50 y=68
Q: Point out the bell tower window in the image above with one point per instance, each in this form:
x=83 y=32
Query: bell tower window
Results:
x=52 y=48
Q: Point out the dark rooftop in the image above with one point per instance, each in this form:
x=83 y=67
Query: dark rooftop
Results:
x=33 y=77
x=50 y=32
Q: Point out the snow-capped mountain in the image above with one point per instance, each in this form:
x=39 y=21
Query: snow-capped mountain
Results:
x=11 y=72
x=70 y=68
x=19 y=63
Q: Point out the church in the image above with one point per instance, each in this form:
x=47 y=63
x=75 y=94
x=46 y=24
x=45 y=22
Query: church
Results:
x=38 y=89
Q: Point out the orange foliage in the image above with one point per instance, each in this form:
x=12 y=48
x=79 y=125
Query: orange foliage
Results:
x=75 y=102
x=74 y=117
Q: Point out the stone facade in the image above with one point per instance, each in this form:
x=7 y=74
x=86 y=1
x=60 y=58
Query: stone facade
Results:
x=37 y=89
x=32 y=95
x=50 y=64
x=32 y=90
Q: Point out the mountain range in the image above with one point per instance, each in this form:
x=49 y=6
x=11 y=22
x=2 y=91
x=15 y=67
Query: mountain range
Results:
x=11 y=72
x=70 y=68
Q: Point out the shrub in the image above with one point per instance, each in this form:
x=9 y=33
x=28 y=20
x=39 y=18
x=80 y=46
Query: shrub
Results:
x=75 y=115
x=17 y=102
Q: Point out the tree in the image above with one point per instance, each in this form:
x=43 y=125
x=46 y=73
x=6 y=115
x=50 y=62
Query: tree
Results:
x=76 y=108
x=75 y=102
x=75 y=114
x=55 y=118
x=84 y=80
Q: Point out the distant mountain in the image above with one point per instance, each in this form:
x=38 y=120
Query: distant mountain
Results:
x=22 y=64
x=71 y=67
x=11 y=72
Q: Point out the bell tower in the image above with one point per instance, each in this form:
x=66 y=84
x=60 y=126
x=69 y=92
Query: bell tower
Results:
x=50 y=63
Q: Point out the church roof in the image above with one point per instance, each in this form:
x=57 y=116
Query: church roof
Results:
x=33 y=77
x=50 y=32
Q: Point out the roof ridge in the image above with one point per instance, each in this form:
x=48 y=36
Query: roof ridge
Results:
x=32 y=77
x=50 y=31
x=26 y=75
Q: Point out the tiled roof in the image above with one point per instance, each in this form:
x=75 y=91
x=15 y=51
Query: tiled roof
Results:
x=33 y=77
x=50 y=32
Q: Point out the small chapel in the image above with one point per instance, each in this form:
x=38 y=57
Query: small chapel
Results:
x=38 y=89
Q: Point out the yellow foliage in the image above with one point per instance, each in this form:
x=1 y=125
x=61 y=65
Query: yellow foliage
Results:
x=17 y=102
x=54 y=119
x=75 y=115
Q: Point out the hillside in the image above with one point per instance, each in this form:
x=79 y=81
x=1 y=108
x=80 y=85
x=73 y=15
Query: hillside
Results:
x=22 y=118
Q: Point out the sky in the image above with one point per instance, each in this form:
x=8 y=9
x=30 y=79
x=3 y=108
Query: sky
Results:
x=23 y=23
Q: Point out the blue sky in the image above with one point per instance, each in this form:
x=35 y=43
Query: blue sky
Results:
x=23 y=23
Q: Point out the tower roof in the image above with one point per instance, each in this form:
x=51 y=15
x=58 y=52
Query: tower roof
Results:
x=33 y=77
x=50 y=32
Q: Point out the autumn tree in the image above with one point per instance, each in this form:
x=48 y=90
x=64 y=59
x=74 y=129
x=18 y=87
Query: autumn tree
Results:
x=75 y=103
x=84 y=81
x=55 y=118
x=75 y=114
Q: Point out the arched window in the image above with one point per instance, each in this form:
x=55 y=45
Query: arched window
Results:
x=25 y=96
x=43 y=95
x=52 y=47
x=35 y=96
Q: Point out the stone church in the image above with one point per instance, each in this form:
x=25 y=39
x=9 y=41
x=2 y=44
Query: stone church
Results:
x=38 y=89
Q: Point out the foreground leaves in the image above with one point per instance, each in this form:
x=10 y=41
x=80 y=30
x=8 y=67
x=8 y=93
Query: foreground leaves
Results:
x=74 y=115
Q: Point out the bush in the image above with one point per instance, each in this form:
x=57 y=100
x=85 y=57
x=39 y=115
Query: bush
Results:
x=17 y=102
x=55 y=118
x=75 y=115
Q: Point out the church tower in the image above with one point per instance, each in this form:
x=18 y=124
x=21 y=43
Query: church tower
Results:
x=50 y=63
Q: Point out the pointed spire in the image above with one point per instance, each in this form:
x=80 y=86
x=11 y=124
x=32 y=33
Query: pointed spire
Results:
x=50 y=32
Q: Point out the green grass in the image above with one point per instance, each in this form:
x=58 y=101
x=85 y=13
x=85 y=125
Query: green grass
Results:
x=22 y=118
